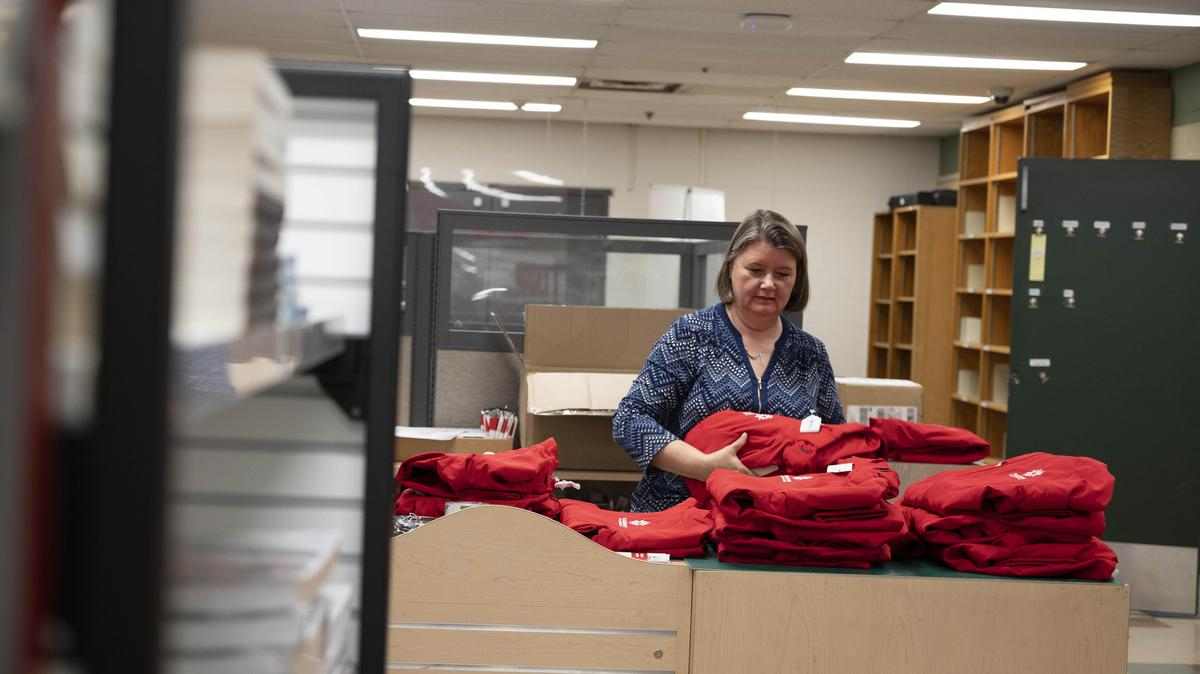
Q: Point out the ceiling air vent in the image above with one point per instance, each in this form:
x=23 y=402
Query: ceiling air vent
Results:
x=629 y=85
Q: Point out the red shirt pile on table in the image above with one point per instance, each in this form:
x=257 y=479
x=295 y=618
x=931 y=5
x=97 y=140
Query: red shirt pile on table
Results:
x=814 y=519
x=776 y=440
x=1033 y=515
x=679 y=531
x=522 y=478
x=928 y=443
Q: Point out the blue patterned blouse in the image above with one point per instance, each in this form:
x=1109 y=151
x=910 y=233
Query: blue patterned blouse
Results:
x=700 y=367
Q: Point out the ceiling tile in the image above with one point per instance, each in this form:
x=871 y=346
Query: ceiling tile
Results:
x=269 y=24
x=237 y=7
x=751 y=68
x=307 y=50
x=875 y=9
x=738 y=45
x=729 y=22
x=475 y=10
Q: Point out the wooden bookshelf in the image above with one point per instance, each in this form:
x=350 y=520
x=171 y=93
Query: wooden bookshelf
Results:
x=983 y=266
x=909 y=326
x=1118 y=114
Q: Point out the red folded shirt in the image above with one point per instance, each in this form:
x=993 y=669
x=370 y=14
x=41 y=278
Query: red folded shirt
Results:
x=767 y=551
x=1092 y=560
x=776 y=440
x=887 y=528
x=510 y=475
x=734 y=558
x=412 y=502
x=909 y=545
x=1028 y=483
x=1068 y=527
x=928 y=443
x=854 y=494
x=679 y=530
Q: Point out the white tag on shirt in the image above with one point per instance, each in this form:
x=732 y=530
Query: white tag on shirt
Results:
x=810 y=424
x=840 y=468
x=455 y=506
x=653 y=557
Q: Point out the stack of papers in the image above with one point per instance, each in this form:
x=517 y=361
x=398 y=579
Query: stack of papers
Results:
x=257 y=601
x=235 y=111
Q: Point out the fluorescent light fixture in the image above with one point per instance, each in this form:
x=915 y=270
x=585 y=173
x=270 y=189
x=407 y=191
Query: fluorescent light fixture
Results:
x=936 y=61
x=861 y=95
x=794 y=118
x=426 y=178
x=462 y=104
x=474 y=185
x=497 y=78
x=541 y=107
x=986 y=11
x=487 y=292
x=538 y=178
x=475 y=38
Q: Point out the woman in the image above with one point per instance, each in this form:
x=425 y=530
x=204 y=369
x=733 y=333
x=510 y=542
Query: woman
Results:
x=739 y=354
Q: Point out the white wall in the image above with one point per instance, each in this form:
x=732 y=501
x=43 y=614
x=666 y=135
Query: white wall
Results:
x=1185 y=141
x=832 y=183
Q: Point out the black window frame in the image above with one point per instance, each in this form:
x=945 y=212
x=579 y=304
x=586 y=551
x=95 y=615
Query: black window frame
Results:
x=390 y=91
x=449 y=221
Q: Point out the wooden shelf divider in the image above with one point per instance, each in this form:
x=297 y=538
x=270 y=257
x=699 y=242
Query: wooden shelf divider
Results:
x=909 y=326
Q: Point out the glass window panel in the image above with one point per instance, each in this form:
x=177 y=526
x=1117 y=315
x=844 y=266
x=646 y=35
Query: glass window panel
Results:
x=712 y=265
x=494 y=274
x=645 y=280
x=330 y=197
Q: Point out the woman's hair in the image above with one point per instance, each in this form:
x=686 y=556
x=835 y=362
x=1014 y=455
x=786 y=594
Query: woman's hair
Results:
x=769 y=226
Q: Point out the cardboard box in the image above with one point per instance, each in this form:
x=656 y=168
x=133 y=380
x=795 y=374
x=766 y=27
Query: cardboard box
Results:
x=413 y=440
x=579 y=363
x=863 y=398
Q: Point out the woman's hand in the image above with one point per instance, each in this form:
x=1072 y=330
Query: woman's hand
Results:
x=727 y=457
x=683 y=459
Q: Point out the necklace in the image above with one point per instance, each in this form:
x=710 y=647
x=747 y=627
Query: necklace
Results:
x=742 y=330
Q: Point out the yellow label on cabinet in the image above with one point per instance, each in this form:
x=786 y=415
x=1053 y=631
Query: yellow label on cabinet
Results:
x=1037 y=257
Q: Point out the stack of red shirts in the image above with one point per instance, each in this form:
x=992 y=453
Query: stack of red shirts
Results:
x=776 y=440
x=522 y=478
x=1033 y=515
x=816 y=519
x=679 y=531
x=928 y=443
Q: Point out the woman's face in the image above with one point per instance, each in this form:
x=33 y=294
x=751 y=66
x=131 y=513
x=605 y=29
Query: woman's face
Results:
x=762 y=277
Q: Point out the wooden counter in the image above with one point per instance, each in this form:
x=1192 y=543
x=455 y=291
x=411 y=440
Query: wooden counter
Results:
x=505 y=590
x=905 y=618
